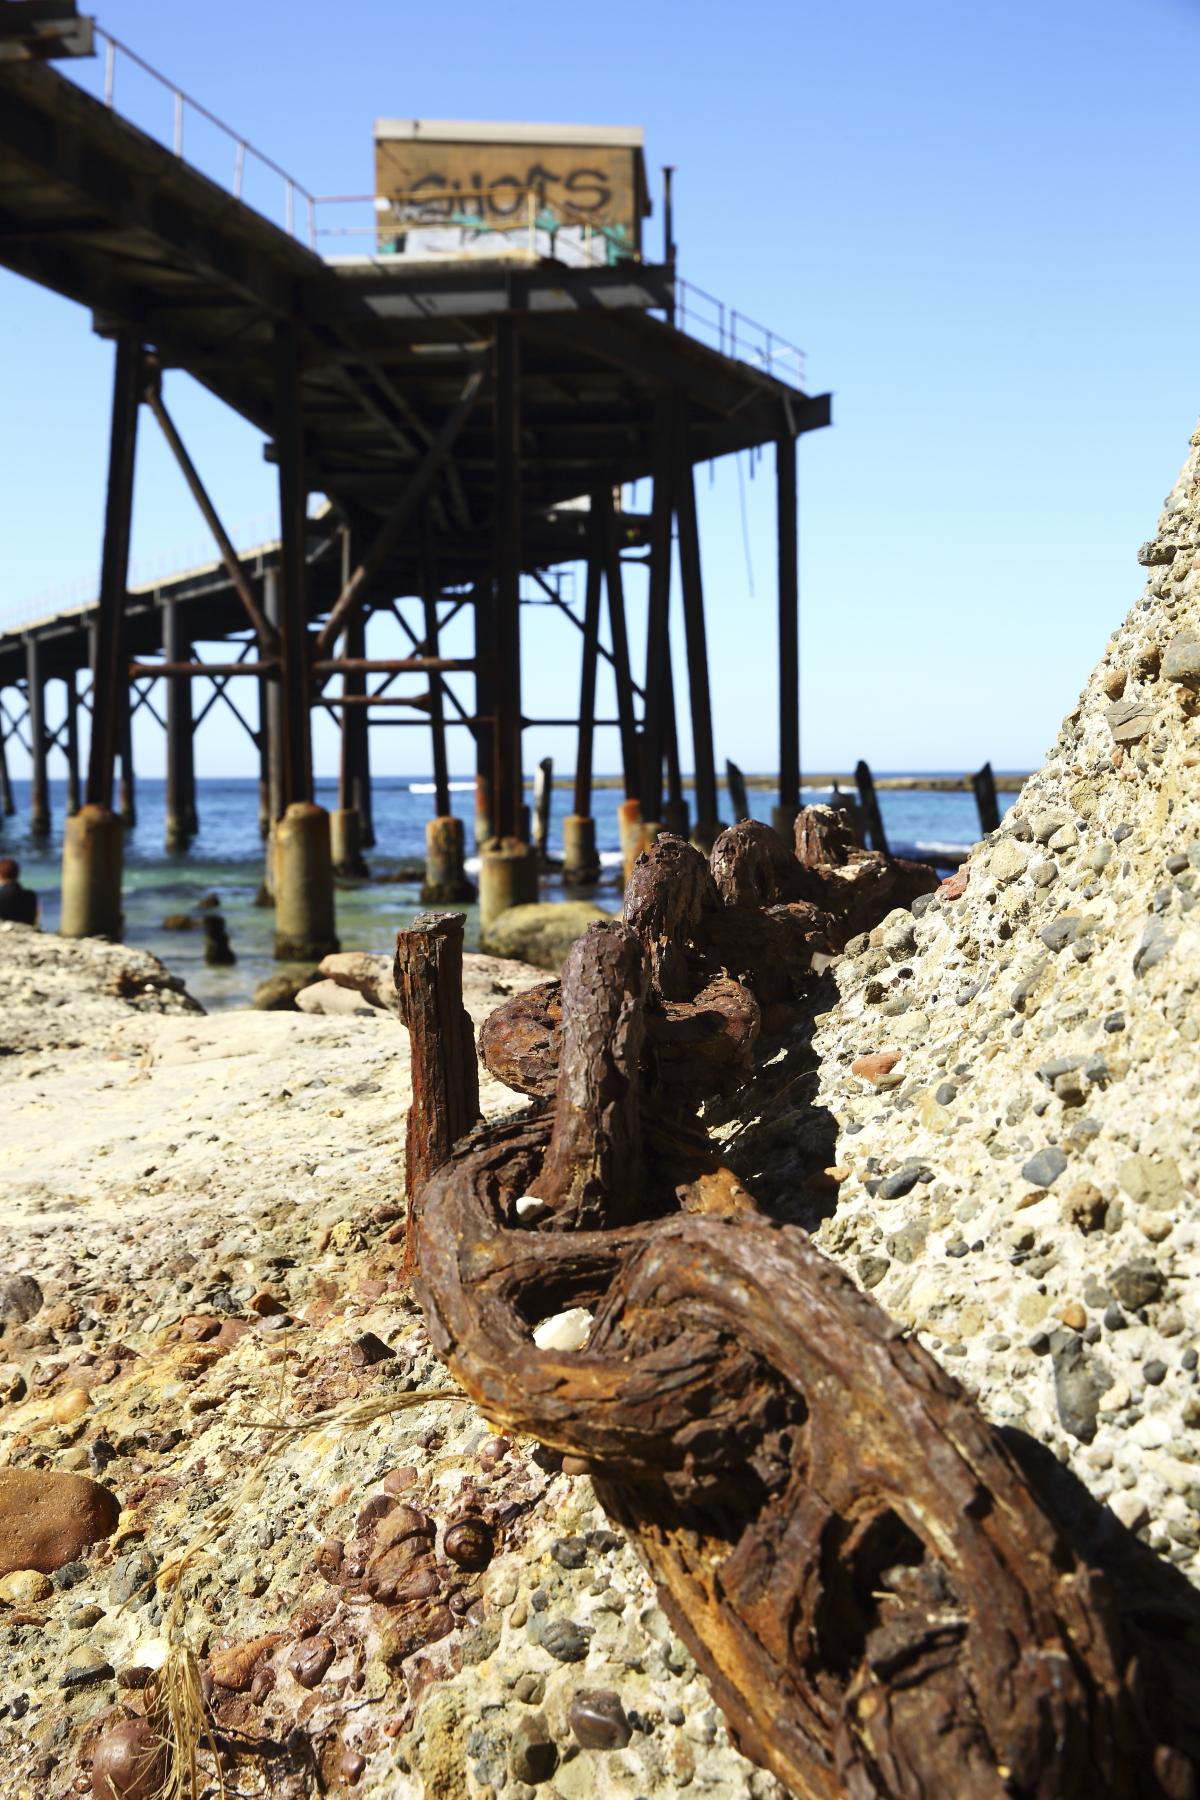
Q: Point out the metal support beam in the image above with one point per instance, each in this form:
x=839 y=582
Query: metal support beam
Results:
x=789 y=622
x=602 y=503
x=127 y=795
x=587 y=675
x=658 y=643
x=7 y=804
x=73 y=791
x=507 y=791
x=354 y=772
x=39 y=787
x=484 y=597
x=293 y=509
x=691 y=581
x=110 y=682
x=437 y=717
x=401 y=513
x=270 y=701
x=181 y=820
x=229 y=556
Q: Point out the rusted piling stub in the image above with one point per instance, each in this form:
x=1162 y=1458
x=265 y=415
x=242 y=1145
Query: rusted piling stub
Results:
x=445 y=1075
x=446 y=882
x=881 y=1602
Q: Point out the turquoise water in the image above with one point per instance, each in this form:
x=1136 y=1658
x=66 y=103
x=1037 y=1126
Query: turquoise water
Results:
x=226 y=859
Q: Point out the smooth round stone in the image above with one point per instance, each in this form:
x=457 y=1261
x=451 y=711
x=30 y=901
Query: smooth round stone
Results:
x=598 y=1720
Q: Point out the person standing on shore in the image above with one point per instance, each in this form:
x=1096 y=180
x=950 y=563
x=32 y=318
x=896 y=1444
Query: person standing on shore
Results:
x=19 y=905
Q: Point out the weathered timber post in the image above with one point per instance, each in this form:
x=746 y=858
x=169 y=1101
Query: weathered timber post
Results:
x=581 y=865
x=73 y=794
x=869 y=802
x=181 y=821
x=508 y=864
x=783 y=816
x=304 y=908
x=445 y=1073
x=708 y=824
x=92 y=842
x=984 y=784
x=39 y=786
x=658 y=644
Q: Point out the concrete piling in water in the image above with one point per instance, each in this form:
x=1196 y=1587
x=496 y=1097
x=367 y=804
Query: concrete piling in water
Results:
x=508 y=876
x=93 y=845
x=629 y=827
x=446 y=882
x=581 y=864
x=304 y=914
x=345 y=841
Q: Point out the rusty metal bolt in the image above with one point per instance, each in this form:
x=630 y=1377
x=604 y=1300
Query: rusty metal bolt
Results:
x=469 y=1543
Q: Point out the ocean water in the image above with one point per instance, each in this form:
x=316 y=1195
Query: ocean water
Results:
x=226 y=859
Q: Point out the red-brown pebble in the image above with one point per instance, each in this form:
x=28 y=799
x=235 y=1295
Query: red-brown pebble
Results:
x=870 y=1068
x=49 y=1517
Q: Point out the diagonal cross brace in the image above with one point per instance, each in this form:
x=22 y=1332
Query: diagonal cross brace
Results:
x=399 y=516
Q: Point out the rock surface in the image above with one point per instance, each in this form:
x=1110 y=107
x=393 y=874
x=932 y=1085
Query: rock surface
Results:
x=202 y=1229
x=541 y=934
x=1006 y=1101
x=48 y=1518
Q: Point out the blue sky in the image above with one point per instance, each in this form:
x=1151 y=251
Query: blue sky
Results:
x=974 y=220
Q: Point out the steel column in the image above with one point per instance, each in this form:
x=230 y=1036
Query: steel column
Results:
x=39 y=787
x=73 y=791
x=289 y=446
x=110 y=682
x=437 y=720
x=602 y=503
x=127 y=794
x=507 y=791
x=691 y=582
x=7 y=804
x=789 y=623
x=271 y=710
x=181 y=821
x=484 y=601
x=587 y=677
x=657 y=712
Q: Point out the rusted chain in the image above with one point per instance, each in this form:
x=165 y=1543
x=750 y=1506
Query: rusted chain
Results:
x=881 y=1603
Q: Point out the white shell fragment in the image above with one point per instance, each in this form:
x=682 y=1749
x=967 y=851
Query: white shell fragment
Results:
x=529 y=1208
x=565 y=1330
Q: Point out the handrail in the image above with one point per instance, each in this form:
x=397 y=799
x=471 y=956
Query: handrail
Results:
x=242 y=145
